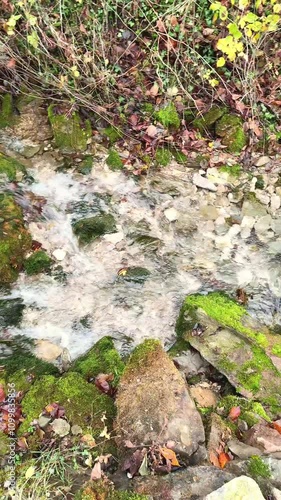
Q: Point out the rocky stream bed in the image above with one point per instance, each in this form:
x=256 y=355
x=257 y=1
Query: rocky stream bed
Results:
x=140 y=321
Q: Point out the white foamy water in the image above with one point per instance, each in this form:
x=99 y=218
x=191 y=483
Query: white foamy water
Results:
x=192 y=256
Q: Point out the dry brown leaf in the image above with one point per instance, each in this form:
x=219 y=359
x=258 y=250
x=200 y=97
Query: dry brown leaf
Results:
x=169 y=455
x=96 y=472
x=151 y=131
x=153 y=91
x=277 y=426
x=160 y=25
x=214 y=459
x=88 y=440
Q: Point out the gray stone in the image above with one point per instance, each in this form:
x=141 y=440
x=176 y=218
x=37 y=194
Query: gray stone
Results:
x=275 y=247
x=153 y=403
x=275 y=470
x=203 y=183
x=242 y=450
x=276 y=494
x=253 y=208
x=275 y=202
x=60 y=427
x=243 y=487
x=191 y=363
x=264 y=437
x=276 y=226
x=191 y=483
x=263 y=224
x=44 y=421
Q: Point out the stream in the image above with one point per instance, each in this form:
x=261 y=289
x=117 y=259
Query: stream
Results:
x=190 y=240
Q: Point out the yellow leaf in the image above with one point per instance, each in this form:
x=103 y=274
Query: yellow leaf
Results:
x=104 y=433
x=220 y=62
x=30 y=472
x=169 y=455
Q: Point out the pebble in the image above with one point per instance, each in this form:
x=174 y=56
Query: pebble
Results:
x=263 y=160
x=220 y=221
x=245 y=233
x=48 y=351
x=264 y=198
x=203 y=183
x=263 y=224
x=248 y=221
x=114 y=237
x=59 y=254
x=171 y=214
x=275 y=202
x=243 y=487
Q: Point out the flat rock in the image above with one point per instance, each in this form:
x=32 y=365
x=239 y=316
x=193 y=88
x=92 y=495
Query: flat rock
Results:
x=191 y=483
x=264 y=437
x=203 y=183
x=253 y=208
x=153 y=403
x=203 y=396
x=48 y=351
x=242 y=488
x=242 y=450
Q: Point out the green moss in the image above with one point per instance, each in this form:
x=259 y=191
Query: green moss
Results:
x=178 y=347
x=168 y=116
x=225 y=364
x=114 y=161
x=259 y=182
x=207 y=121
x=179 y=157
x=89 y=229
x=234 y=170
x=230 y=128
x=135 y=274
x=163 y=156
x=223 y=309
x=147 y=107
x=250 y=410
x=100 y=490
x=84 y=405
x=38 y=262
x=11 y=168
x=101 y=358
x=6 y=114
x=112 y=133
x=251 y=372
x=257 y=468
x=143 y=355
x=276 y=350
x=10 y=312
x=15 y=240
x=85 y=166
x=70 y=134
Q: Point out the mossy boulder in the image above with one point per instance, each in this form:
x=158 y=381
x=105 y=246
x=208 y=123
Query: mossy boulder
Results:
x=15 y=240
x=101 y=358
x=10 y=312
x=251 y=411
x=135 y=274
x=103 y=490
x=84 y=404
x=163 y=157
x=38 y=262
x=6 y=113
x=169 y=117
x=11 y=169
x=229 y=339
x=114 y=161
x=208 y=120
x=70 y=133
x=230 y=128
x=91 y=228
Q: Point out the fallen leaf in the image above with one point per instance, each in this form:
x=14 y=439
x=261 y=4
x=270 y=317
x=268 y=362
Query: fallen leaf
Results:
x=224 y=458
x=173 y=21
x=151 y=131
x=154 y=90
x=214 y=459
x=30 y=472
x=172 y=91
x=277 y=426
x=105 y=433
x=170 y=455
x=234 y=412
x=96 y=472
x=143 y=470
x=11 y=64
x=133 y=463
x=22 y=443
x=133 y=119
x=88 y=440
x=104 y=459
x=2 y=394
x=160 y=25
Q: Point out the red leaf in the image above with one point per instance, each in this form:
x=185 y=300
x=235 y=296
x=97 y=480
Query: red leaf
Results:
x=2 y=394
x=224 y=458
x=234 y=412
x=277 y=426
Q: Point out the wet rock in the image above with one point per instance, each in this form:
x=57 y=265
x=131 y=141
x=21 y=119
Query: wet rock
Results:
x=30 y=151
x=32 y=123
x=59 y=254
x=204 y=396
x=275 y=247
x=10 y=169
x=70 y=134
x=264 y=198
x=248 y=221
x=263 y=224
x=153 y=403
x=203 y=183
x=241 y=353
x=253 y=208
x=242 y=450
x=275 y=202
x=243 y=487
x=265 y=438
x=191 y=483
x=191 y=363
x=60 y=427
x=208 y=120
x=48 y=351
x=219 y=432
x=38 y=262
x=135 y=274
x=274 y=466
x=171 y=214
x=89 y=229
x=10 y=312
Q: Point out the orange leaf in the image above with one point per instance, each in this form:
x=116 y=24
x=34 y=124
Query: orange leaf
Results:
x=277 y=427
x=234 y=412
x=169 y=455
x=224 y=458
x=214 y=459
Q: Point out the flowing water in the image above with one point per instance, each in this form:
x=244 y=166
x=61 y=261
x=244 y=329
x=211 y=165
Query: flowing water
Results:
x=197 y=252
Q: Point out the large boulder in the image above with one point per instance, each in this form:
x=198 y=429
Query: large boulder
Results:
x=242 y=487
x=154 y=405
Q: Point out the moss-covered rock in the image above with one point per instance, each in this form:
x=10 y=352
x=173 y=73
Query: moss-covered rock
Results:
x=11 y=169
x=114 y=161
x=103 y=490
x=38 y=262
x=251 y=411
x=163 y=157
x=70 y=133
x=257 y=468
x=135 y=274
x=15 y=240
x=168 y=117
x=101 y=358
x=230 y=128
x=208 y=120
x=91 y=228
x=85 y=166
x=10 y=312
x=6 y=113
x=84 y=405
x=112 y=133
x=226 y=336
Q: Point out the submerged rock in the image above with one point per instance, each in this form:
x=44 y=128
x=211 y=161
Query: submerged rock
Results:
x=135 y=274
x=10 y=312
x=215 y=325
x=91 y=228
x=243 y=487
x=153 y=404
x=11 y=169
x=70 y=134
